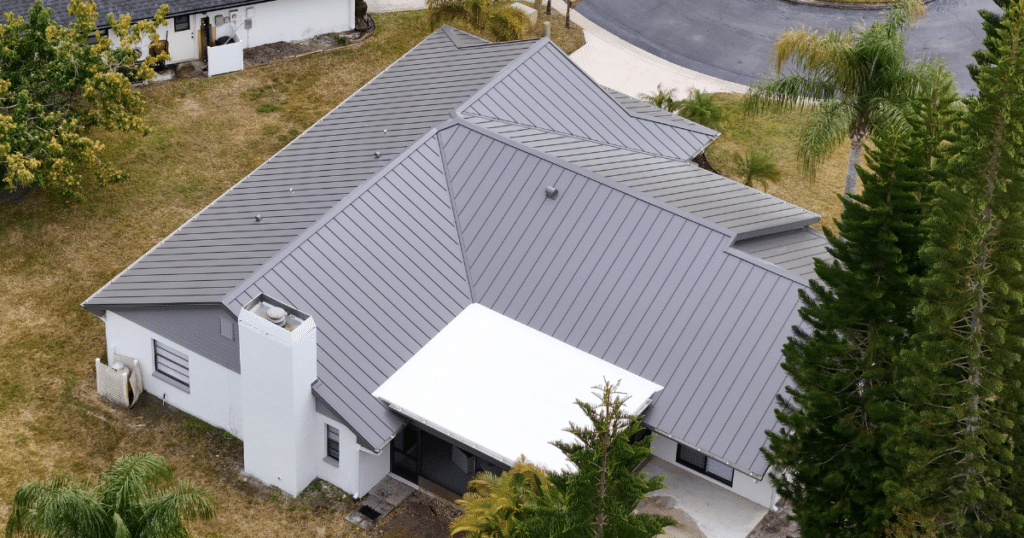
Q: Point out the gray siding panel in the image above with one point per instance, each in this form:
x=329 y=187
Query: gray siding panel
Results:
x=196 y=329
x=640 y=285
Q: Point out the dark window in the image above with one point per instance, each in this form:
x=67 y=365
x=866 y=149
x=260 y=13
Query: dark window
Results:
x=181 y=23
x=94 y=36
x=640 y=435
x=170 y=366
x=227 y=328
x=699 y=462
x=332 y=443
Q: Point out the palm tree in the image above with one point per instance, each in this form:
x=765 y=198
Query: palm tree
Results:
x=700 y=107
x=756 y=167
x=494 y=504
x=853 y=79
x=131 y=500
x=504 y=22
x=664 y=98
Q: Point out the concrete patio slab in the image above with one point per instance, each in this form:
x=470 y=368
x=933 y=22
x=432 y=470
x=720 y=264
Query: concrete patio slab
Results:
x=701 y=508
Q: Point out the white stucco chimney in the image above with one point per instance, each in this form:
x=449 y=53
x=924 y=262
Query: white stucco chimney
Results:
x=278 y=361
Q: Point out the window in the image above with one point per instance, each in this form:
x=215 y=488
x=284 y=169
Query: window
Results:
x=699 y=462
x=170 y=366
x=333 y=445
x=94 y=36
x=181 y=23
x=227 y=328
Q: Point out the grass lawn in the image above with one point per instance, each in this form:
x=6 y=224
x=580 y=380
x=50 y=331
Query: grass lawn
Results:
x=206 y=134
x=777 y=135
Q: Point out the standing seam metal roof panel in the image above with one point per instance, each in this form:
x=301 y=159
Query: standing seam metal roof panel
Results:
x=228 y=224
x=389 y=276
x=695 y=335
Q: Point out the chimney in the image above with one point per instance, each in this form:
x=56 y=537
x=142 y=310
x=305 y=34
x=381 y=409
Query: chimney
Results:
x=277 y=345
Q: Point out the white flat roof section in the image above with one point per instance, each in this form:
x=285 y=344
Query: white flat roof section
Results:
x=503 y=388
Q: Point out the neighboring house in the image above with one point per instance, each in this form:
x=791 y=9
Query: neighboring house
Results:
x=192 y=25
x=457 y=252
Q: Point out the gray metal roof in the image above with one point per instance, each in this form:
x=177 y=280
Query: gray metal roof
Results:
x=139 y=9
x=794 y=250
x=546 y=90
x=677 y=182
x=633 y=261
x=463 y=218
x=222 y=245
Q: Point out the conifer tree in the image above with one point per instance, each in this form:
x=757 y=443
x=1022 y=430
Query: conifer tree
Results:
x=602 y=494
x=857 y=317
x=962 y=440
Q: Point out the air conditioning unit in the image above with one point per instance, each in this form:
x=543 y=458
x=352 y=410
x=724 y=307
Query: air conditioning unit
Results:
x=118 y=382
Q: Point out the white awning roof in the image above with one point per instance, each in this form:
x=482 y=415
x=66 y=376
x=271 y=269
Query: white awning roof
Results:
x=503 y=388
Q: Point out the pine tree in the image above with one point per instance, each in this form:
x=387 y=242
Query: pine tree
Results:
x=857 y=317
x=602 y=494
x=963 y=384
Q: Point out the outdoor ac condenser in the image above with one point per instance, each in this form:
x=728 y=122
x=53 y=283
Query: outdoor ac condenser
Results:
x=118 y=382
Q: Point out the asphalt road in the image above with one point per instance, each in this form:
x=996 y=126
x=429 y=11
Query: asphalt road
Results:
x=732 y=39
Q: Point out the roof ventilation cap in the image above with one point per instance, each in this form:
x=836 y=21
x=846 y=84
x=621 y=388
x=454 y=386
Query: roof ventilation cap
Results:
x=376 y=155
x=551 y=192
x=259 y=218
x=277 y=315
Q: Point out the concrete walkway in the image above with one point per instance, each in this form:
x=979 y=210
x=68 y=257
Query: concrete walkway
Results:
x=610 y=60
x=702 y=509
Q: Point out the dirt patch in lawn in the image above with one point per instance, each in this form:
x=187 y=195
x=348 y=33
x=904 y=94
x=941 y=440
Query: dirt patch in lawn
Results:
x=420 y=516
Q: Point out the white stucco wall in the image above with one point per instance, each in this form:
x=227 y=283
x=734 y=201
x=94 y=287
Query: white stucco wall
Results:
x=279 y=20
x=759 y=491
x=373 y=468
x=293 y=20
x=278 y=367
x=214 y=391
x=215 y=396
x=356 y=470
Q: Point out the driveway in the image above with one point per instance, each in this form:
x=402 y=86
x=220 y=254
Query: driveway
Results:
x=732 y=39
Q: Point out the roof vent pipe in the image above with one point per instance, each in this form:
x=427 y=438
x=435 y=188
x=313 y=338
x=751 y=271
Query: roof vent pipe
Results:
x=277 y=315
x=551 y=192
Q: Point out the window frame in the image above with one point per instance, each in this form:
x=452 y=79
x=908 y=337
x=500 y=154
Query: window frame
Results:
x=164 y=354
x=336 y=441
x=188 y=23
x=698 y=461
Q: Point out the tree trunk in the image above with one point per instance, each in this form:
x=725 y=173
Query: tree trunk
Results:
x=856 y=146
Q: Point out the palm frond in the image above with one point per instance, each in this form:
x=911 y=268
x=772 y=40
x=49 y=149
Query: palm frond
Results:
x=826 y=128
x=810 y=51
x=165 y=515
x=477 y=13
x=444 y=12
x=507 y=24
x=664 y=98
x=700 y=107
x=130 y=479
x=60 y=507
x=786 y=92
x=756 y=167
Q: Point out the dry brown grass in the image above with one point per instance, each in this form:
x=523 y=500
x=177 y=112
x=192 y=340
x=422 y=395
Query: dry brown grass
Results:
x=206 y=135
x=776 y=134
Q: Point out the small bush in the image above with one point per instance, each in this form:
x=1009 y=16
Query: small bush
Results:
x=341 y=40
x=700 y=107
x=756 y=166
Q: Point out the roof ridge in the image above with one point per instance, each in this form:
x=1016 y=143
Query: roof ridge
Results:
x=593 y=176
